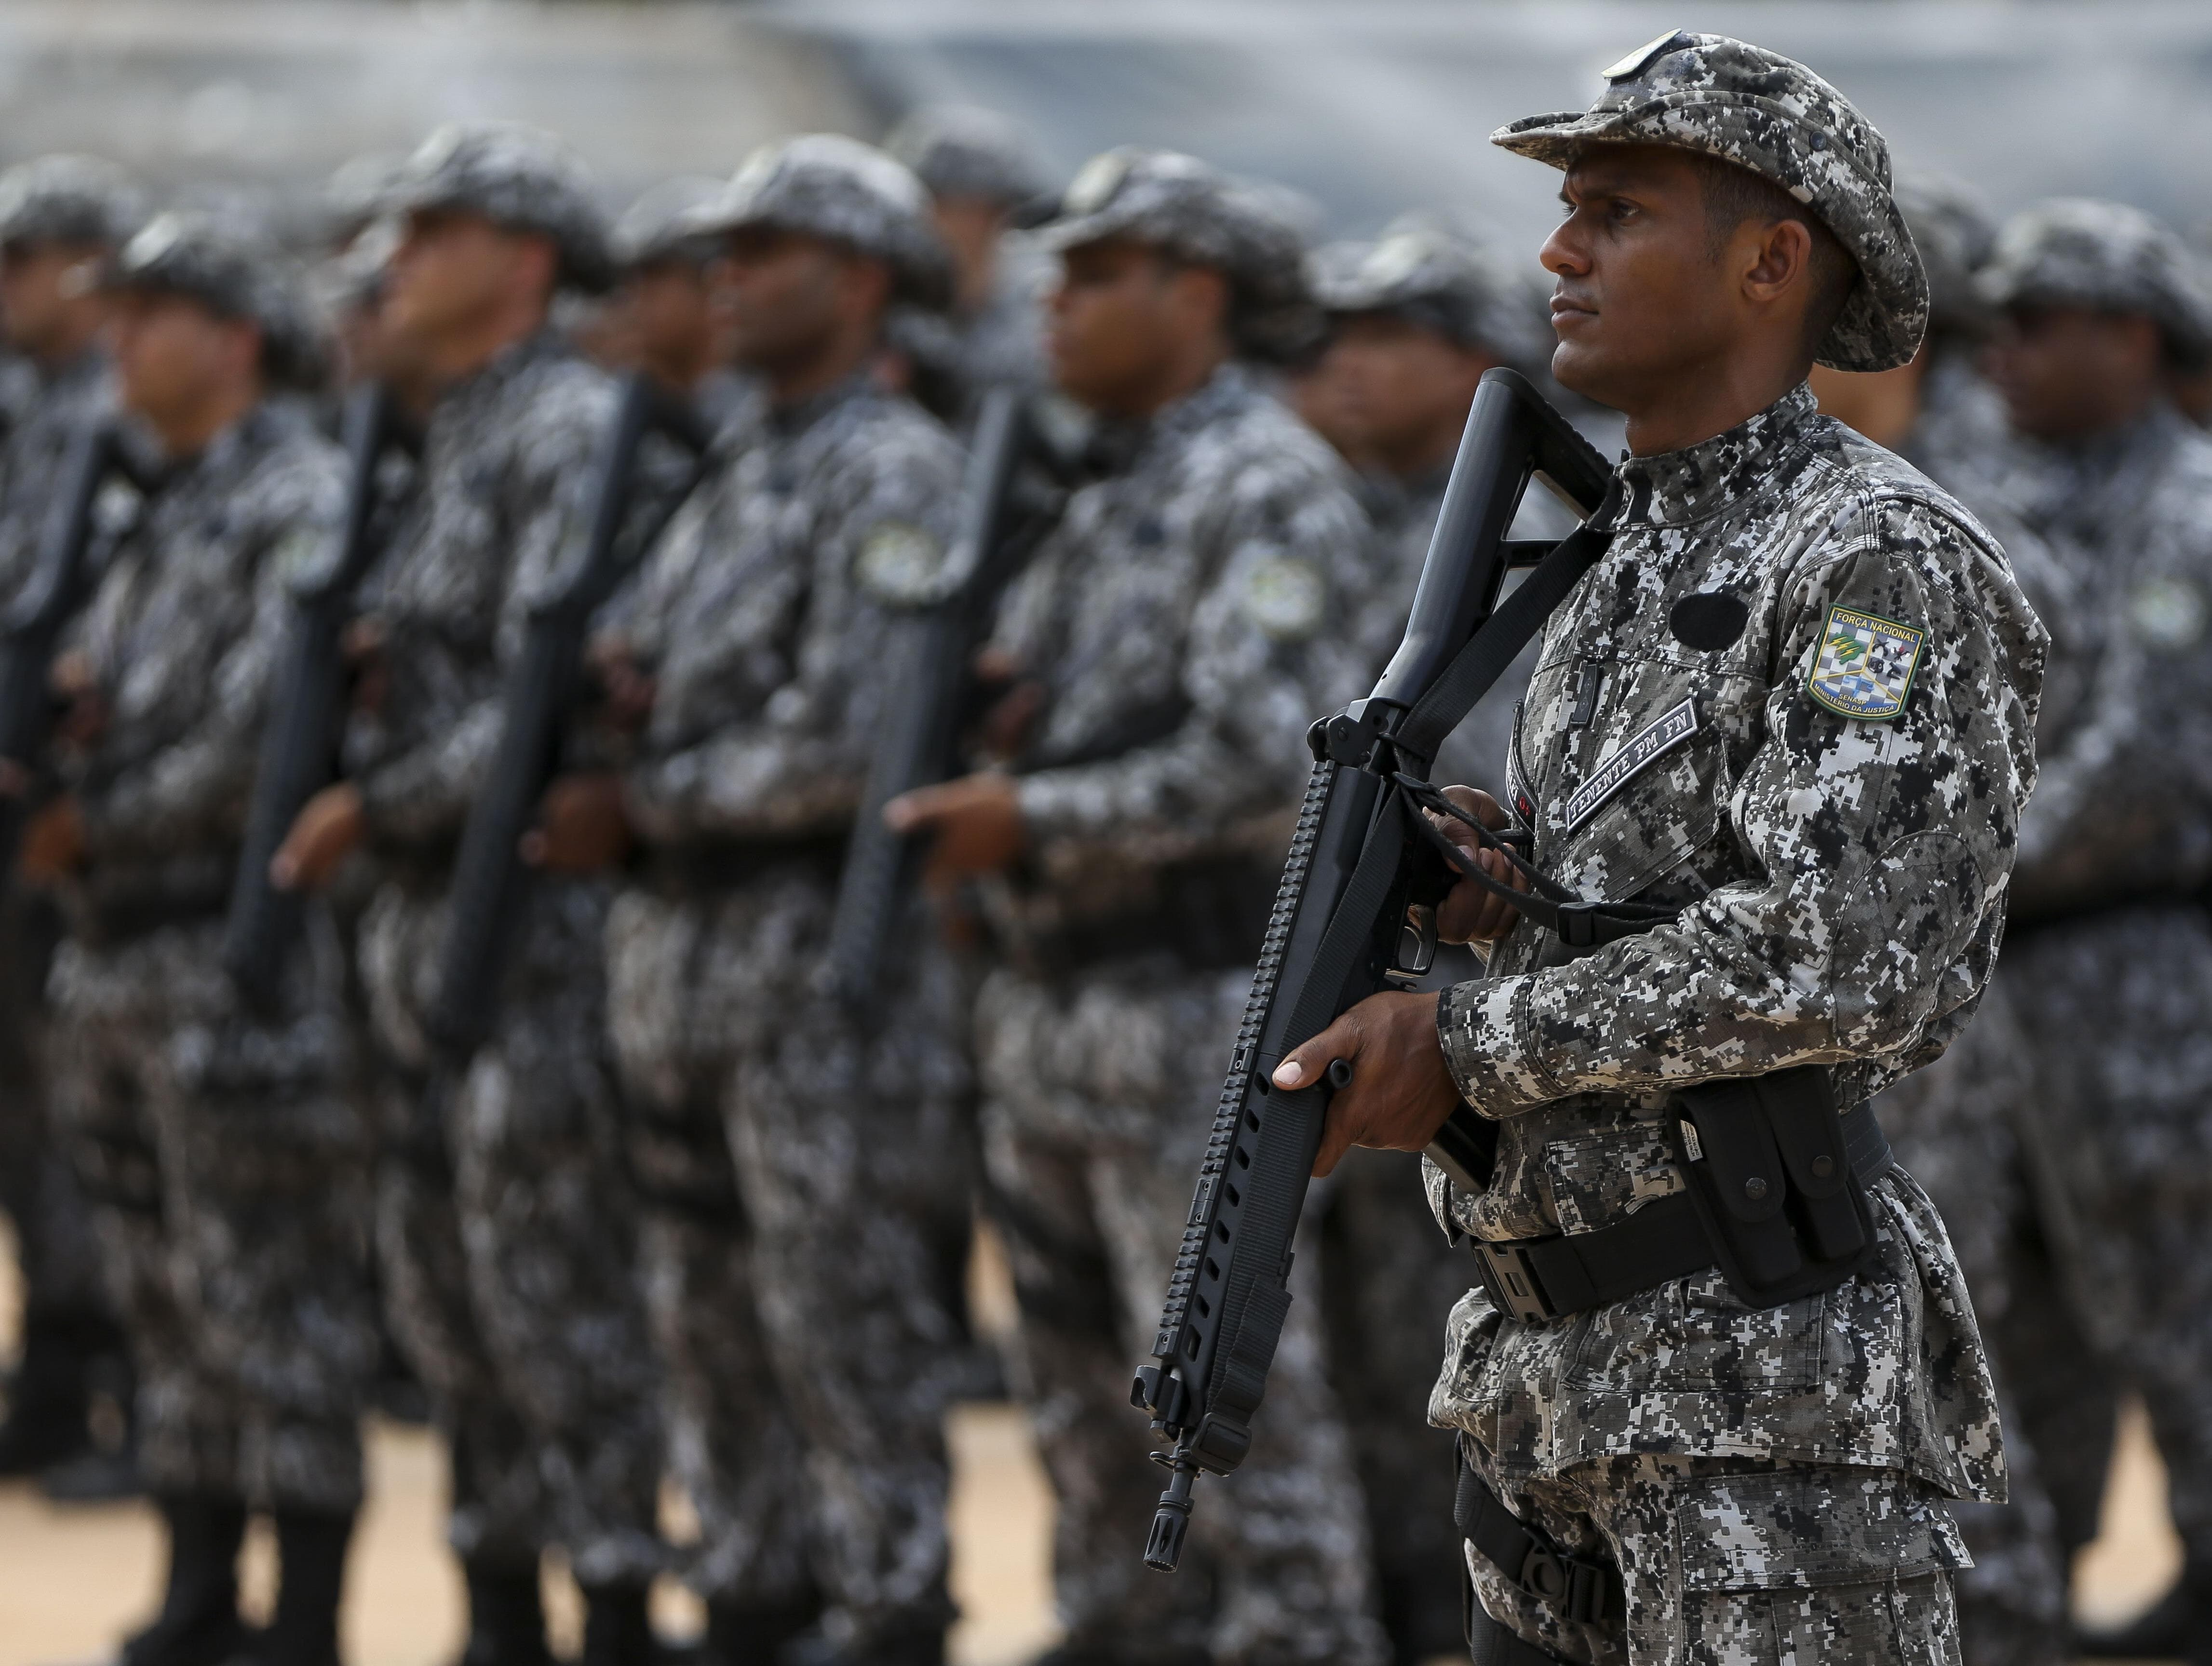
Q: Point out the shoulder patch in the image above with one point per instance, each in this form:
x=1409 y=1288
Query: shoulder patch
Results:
x=901 y=563
x=1864 y=664
x=1285 y=597
x=2169 y=614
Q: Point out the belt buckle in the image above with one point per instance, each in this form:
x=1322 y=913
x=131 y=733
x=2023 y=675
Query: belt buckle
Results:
x=1511 y=1280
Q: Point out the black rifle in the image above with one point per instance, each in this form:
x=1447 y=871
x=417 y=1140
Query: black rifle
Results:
x=1355 y=914
x=299 y=740
x=490 y=876
x=928 y=669
x=61 y=583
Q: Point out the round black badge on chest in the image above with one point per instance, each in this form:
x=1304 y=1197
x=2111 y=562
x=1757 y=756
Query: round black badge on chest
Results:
x=1708 y=620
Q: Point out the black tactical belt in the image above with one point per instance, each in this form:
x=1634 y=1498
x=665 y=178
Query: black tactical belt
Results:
x=1538 y=1279
x=1577 y=1588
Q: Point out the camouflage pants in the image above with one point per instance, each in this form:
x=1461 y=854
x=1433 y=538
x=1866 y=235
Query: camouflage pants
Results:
x=831 y=1311
x=1389 y=1281
x=229 y=1169
x=1099 y=1099
x=2119 y=1131
x=1953 y=1128
x=1740 y=1562
x=514 y=1282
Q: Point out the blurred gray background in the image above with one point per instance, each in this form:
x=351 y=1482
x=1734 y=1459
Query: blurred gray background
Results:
x=1370 y=107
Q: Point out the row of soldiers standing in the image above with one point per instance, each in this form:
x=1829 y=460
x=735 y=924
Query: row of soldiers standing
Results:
x=683 y=1212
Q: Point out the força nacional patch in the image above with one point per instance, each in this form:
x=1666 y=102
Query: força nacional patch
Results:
x=1865 y=665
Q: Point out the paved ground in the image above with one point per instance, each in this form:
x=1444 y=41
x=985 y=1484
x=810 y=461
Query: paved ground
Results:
x=72 y=1580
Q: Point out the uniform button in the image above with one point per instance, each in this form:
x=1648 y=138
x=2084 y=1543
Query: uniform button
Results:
x=1823 y=1167
x=1754 y=1189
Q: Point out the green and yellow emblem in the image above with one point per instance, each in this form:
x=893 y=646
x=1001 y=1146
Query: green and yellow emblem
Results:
x=1865 y=665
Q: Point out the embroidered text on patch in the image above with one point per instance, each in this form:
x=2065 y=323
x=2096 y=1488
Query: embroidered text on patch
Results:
x=1865 y=665
x=1673 y=728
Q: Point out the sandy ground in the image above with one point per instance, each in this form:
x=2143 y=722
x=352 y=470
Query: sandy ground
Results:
x=73 y=1579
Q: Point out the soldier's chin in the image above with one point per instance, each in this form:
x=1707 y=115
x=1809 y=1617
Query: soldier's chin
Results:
x=1581 y=367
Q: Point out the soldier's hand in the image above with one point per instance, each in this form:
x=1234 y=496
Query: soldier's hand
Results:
x=53 y=843
x=581 y=825
x=1470 y=914
x=976 y=820
x=1401 y=1090
x=328 y=827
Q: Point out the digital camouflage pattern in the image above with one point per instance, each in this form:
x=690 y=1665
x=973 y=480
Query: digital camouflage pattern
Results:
x=509 y=1259
x=1176 y=620
x=828 y=185
x=1198 y=214
x=763 y=614
x=1743 y=1561
x=68 y=199
x=1772 y=117
x=658 y=226
x=1842 y=882
x=191 y=255
x=959 y=150
x=229 y=1164
x=65 y=398
x=1421 y=270
x=2108 y=257
x=514 y=175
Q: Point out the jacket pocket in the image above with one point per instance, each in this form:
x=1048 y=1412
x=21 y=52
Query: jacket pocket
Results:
x=1810 y=1527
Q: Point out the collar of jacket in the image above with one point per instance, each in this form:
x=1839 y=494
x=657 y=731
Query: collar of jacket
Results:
x=1676 y=488
x=1123 y=448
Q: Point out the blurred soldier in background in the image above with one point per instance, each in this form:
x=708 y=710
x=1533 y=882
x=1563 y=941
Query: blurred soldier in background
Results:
x=1170 y=649
x=60 y=218
x=667 y=298
x=799 y=1154
x=2109 y=960
x=980 y=170
x=229 y=1165
x=1955 y=1123
x=509 y=1261
x=1414 y=319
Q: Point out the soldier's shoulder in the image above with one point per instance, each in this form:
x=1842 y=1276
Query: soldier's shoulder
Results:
x=882 y=434
x=1854 y=483
x=1256 y=439
x=298 y=469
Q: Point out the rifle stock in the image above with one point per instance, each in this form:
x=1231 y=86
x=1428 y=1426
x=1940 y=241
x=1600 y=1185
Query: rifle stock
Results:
x=299 y=739
x=928 y=669
x=489 y=877
x=1347 y=924
x=60 y=584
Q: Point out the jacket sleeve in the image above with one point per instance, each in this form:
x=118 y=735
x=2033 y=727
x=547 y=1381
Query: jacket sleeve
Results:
x=1877 y=855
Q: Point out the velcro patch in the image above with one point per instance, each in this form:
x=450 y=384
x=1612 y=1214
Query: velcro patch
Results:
x=1629 y=761
x=1865 y=665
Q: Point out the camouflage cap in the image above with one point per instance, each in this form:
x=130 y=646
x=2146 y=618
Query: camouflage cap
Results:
x=233 y=275
x=1772 y=117
x=831 y=186
x=2078 y=252
x=1955 y=237
x=662 y=223
x=1247 y=230
x=520 y=177
x=958 y=150
x=354 y=196
x=1421 y=270
x=68 y=199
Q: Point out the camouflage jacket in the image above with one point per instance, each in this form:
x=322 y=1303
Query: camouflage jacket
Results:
x=506 y=472
x=1827 y=776
x=44 y=414
x=180 y=637
x=762 y=611
x=1190 y=616
x=2124 y=807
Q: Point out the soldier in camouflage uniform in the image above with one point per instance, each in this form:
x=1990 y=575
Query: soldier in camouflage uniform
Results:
x=509 y=1260
x=1836 y=820
x=229 y=1165
x=60 y=217
x=2109 y=964
x=1171 y=639
x=796 y=1151
x=1415 y=320
x=980 y=170
x=668 y=295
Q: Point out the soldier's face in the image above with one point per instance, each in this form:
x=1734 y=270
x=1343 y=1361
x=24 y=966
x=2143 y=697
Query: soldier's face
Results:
x=666 y=305
x=1402 y=388
x=453 y=271
x=40 y=285
x=173 y=357
x=786 y=296
x=2066 y=372
x=1123 y=318
x=1641 y=298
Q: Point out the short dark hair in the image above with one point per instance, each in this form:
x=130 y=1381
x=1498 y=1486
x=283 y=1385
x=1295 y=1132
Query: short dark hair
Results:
x=1733 y=195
